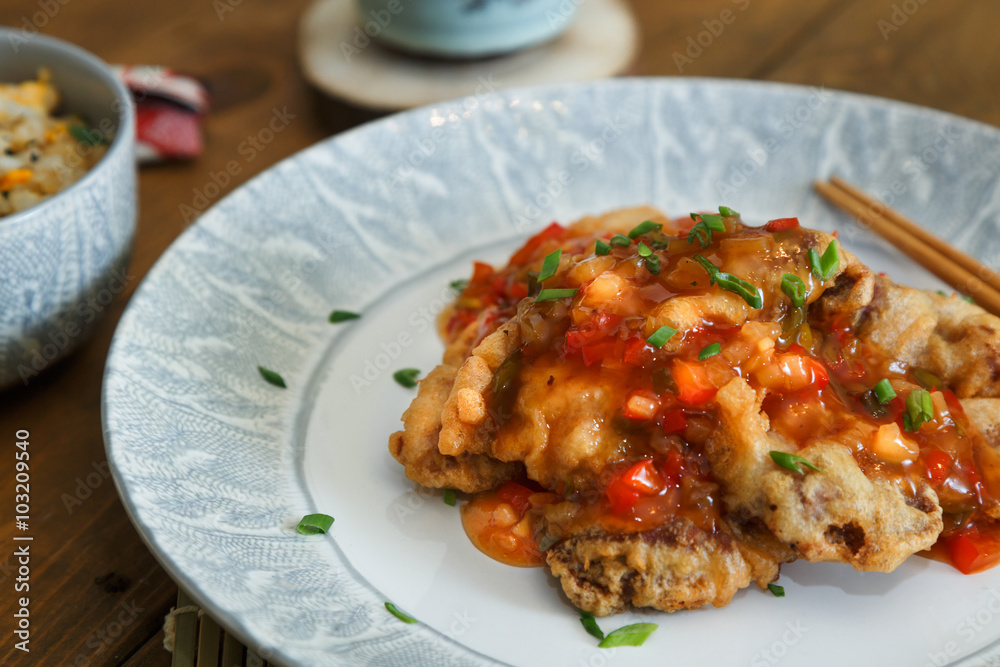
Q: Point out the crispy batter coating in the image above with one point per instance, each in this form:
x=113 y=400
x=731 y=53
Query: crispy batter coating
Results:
x=676 y=566
x=840 y=515
x=416 y=446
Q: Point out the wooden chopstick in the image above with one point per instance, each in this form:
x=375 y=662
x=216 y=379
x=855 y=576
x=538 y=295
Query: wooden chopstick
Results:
x=954 y=267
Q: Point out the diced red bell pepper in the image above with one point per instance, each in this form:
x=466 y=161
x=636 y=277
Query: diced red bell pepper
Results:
x=598 y=352
x=673 y=468
x=673 y=421
x=523 y=256
x=973 y=552
x=782 y=224
x=516 y=495
x=518 y=291
x=640 y=479
x=693 y=384
x=638 y=352
x=592 y=331
x=481 y=272
x=641 y=405
x=938 y=466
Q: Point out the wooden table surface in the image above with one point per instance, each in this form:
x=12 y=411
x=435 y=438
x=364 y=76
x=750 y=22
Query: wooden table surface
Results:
x=98 y=597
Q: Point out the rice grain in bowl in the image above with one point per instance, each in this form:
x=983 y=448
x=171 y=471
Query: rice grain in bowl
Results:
x=64 y=254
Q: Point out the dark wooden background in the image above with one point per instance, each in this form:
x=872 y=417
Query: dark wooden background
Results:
x=98 y=596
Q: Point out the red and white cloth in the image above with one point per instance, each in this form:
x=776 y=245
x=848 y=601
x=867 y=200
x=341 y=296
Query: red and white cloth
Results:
x=169 y=111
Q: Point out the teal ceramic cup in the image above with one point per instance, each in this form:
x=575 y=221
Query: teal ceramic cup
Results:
x=464 y=28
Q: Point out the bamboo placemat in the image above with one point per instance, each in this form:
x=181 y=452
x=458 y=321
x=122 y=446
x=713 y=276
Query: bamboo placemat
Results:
x=196 y=640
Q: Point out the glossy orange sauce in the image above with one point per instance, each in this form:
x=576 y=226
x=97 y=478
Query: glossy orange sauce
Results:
x=816 y=374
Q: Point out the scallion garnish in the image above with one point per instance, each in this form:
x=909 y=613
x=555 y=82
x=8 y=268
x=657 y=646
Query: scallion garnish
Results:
x=449 y=497
x=776 y=590
x=272 y=377
x=942 y=293
x=339 y=316
x=968 y=299
x=590 y=624
x=644 y=250
x=794 y=288
x=620 y=240
x=553 y=294
x=314 y=524
x=87 y=137
x=550 y=265
x=884 y=391
x=406 y=377
x=398 y=614
x=709 y=351
x=705 y=226
x=792 y=461
x=601 y=248
x=728 y=212
x=661 y=336
x=731 y=283
x=919 y=409
x=630 y=635
x=823 y=267
x=644 y=228
x=653 y=264
x=459 y=285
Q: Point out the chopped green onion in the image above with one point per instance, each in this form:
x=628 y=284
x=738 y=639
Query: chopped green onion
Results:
x=550 y=265
x=927 y=380
x=919 y=409
x=620 y=240
x=663 y=381
x=590 y=624
x=728 y=212
x=406 y=377
x=601 y=248
x=644 y=228
x=714 y=222
x=776 y=590
x=449 y=497
x=505 y=386
x=884 y=391
x=553 y=294
x=533 y=285
x=709 y=351
x=314 y=524
x=792 y=461
x=794 y=288
x=272 y=377
x=823 y=267
x=459 y=285
x=653 y=265
x=661 y=336
x=644 y=250
x=704 y=228
x=731 y=283
x=398 y=614
x=87 y=137
x=339 y=316
x=969 y=299
x=630 y=635
x=942 y=293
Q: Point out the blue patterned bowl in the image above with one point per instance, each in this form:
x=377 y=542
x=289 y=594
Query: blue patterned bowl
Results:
x=63 y=261
x=464 y=28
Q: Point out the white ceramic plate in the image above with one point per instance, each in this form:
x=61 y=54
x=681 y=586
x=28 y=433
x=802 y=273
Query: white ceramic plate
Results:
x=216 y=467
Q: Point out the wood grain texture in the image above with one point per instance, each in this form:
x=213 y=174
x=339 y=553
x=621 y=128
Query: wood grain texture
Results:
x=90 y=570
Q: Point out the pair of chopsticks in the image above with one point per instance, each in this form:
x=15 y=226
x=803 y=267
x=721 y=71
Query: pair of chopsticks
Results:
x=964 y=273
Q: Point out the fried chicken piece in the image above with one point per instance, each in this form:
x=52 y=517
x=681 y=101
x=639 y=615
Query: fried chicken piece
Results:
x=839 y=515
x=956 y=340
x=676 y=566
x=416 y=446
